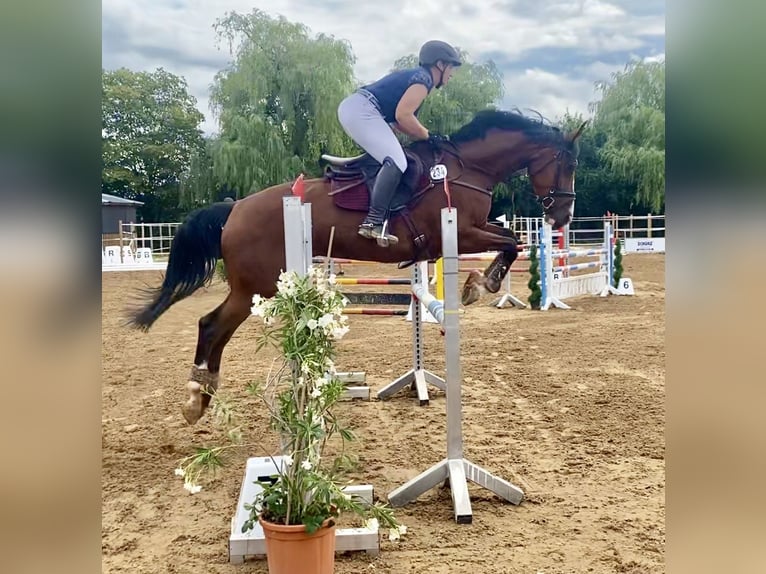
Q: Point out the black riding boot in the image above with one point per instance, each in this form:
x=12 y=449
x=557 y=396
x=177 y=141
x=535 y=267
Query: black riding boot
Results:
x=373 y=226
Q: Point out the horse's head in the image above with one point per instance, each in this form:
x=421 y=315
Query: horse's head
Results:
x=496 y=144
x=552 y=174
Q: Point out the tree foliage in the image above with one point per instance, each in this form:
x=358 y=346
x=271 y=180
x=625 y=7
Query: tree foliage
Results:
x=631 y=116
x=150 y=130
x=276 y=102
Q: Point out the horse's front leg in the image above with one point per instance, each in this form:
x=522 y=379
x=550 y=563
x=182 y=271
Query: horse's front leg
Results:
x=488 y=238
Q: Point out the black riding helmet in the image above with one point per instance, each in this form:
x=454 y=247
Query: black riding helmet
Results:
x=435 y=50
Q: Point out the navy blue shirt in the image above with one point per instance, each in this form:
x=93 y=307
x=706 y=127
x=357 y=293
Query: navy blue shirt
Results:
x=390 y=89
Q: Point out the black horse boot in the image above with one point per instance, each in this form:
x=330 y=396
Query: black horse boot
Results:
x=373 y=226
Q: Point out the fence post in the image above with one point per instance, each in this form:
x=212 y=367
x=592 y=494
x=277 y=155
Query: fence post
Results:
x=649 y=225
x=119 y=227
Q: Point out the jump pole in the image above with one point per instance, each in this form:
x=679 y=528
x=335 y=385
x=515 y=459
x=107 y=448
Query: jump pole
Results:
x=455 y=469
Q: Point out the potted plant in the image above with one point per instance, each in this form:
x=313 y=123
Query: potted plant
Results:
x=297 y=508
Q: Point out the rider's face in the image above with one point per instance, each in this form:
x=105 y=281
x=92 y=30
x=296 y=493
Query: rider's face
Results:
x=449 y=69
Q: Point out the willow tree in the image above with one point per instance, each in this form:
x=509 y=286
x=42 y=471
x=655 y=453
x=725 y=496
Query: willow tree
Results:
x=276 y=101
x=631 y=114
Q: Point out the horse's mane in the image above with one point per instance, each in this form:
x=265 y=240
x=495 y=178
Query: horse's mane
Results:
x=538 y=129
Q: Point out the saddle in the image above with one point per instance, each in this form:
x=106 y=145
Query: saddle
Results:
x=352 y=179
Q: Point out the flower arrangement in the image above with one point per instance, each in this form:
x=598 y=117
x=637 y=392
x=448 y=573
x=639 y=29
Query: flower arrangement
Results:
x=303 y=321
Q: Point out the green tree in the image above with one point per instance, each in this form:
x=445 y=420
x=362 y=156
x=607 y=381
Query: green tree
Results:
x=150 y=129
x=276 y=103
x=599 y=188
x=631 y=115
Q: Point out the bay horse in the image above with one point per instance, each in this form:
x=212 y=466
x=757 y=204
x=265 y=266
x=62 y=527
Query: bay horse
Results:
x=249 y=234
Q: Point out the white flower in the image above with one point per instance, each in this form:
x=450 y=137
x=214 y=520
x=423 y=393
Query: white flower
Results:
x=259 y=306
x=312 y=324
x=372 y=524
x=332 y=279
x=286 y=284
x=338 y=332
x=192 y=488
x=306 y=465
x=326 y=320
x=316 y=393
x=321 y=382
x=287 y=459
x=180 y=472
x=396 y=533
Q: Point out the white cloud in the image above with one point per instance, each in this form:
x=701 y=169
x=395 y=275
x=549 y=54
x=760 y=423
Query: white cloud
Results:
x=178 y=36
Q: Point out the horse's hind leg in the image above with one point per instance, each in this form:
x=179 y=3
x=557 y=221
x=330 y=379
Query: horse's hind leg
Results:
x=215 y=330
x=491 y=237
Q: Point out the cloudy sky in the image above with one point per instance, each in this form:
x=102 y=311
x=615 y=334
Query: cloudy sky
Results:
x=550 y=51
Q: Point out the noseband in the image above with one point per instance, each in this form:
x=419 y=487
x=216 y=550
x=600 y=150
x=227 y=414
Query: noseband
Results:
x=548 y=200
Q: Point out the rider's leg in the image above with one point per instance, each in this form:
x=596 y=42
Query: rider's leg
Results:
x=380 y=200
x=364 y=123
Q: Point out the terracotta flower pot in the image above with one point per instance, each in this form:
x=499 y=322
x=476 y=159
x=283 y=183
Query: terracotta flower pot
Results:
x=289 y=550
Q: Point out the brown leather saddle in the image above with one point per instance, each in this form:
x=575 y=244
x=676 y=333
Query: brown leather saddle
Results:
x=352 y=179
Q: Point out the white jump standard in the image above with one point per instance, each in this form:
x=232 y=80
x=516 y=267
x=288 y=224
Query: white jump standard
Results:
x=418 y=376
x=456 y=469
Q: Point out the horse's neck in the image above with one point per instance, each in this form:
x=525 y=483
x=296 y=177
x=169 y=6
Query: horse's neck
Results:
x=499 y=154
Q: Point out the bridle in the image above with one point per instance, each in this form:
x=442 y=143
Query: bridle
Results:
x=547 y=201
x=555 y=192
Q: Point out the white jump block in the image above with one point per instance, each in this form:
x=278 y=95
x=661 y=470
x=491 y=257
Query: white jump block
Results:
x=142 y=261
x=354 y=391
x=111 y=255
x=568 y=287
x=144 y=255
x=127 y=255
x=252 y=544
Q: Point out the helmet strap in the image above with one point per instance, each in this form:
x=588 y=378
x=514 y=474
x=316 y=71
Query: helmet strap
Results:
x=440 y=83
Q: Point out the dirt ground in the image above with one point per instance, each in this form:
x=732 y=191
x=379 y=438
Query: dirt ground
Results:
x=567 y=405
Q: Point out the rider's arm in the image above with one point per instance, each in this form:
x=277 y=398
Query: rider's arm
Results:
x=405 y=112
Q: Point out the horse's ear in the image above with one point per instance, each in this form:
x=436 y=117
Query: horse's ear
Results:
x=578 y=133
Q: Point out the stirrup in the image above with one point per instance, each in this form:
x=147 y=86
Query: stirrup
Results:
x=365 y=230
x=377 y=232
x=383 y=238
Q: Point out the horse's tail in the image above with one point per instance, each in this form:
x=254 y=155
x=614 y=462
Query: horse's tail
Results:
x=193 y=254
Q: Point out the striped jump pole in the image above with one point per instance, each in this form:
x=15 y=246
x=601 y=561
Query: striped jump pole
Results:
x=455 y=469
x=373 y=281
x=381 y=298
x=380 y=312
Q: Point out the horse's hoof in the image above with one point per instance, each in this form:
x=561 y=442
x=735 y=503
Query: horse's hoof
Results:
x=471 y=294
x=472 y=290
x=192 y=411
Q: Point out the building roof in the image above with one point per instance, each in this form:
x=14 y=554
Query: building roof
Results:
x=107 y=199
